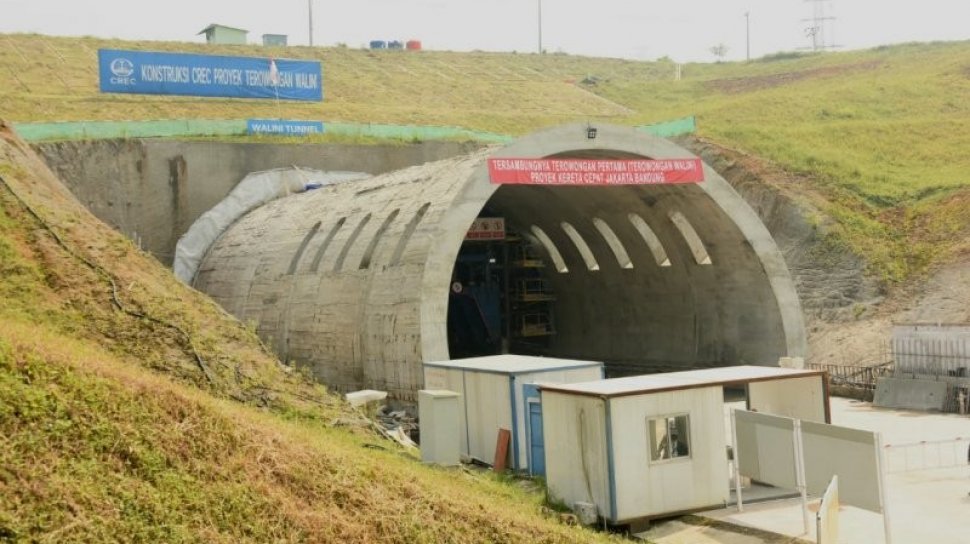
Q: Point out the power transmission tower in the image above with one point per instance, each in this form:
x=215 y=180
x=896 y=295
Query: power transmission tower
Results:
x=817 y=30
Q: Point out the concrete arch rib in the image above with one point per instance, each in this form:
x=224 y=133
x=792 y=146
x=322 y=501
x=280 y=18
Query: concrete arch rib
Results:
x=580 y=244
x=374 y=326
x=622 y=258
x=551 y=249
x=650 y=238
x=694 y=242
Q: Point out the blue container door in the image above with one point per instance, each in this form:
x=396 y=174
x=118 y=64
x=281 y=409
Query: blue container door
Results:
x=537 y=448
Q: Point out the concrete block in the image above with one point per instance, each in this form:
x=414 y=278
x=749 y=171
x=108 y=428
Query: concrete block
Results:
x=438 y=417
x=360 y=398
x=910 y=393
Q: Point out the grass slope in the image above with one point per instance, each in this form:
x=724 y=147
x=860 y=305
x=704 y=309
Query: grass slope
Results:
x=111 y=431
x=882 y=133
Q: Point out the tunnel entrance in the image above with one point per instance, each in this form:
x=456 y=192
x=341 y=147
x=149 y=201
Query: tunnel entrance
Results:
x=500 y=300
x=643 y=279
x=364 y=282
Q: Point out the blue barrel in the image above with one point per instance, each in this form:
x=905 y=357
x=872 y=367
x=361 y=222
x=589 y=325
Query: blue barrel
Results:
x=378 y=44
x=395 y=45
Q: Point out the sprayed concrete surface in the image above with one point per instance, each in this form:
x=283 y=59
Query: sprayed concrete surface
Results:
x=153 y=190
x=925 y=506
x=353 y=280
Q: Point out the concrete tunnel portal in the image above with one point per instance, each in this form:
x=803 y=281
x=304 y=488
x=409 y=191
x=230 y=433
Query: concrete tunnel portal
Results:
x=364 y=281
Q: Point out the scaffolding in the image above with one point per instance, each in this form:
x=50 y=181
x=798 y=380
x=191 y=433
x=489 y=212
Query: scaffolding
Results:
x=532 y=298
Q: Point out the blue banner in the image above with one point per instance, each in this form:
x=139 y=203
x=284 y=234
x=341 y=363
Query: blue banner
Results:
x=142 y=72
x=283 y=127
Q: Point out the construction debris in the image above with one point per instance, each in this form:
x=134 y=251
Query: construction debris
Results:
x=395 y=425
x=361 y=398
x=398 y=419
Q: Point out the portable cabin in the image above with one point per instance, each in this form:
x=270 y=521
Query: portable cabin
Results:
x=500 y=392
x=224 y=35
x=275 y=40
x=652 y=446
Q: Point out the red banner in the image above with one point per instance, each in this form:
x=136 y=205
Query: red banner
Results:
x=594 y=171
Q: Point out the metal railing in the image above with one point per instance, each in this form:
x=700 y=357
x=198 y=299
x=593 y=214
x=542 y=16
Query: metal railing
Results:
x=859 y=377
x=927 y=455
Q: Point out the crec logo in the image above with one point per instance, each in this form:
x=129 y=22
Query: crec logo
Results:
x=123 y=71
x=122 y=67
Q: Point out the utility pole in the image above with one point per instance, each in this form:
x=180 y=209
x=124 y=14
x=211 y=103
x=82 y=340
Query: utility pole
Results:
x=747 y=34
x=540 y=26
x=309 y=6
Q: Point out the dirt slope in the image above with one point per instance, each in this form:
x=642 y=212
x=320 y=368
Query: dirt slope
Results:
x=849 y=312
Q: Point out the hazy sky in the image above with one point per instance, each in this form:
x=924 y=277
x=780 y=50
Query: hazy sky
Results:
x=643 y=29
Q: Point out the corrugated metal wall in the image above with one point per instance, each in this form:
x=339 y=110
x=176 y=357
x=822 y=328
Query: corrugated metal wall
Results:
x=931 y=350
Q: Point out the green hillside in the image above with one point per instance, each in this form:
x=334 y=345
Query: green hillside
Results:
x=880 y=135
x=133 y=409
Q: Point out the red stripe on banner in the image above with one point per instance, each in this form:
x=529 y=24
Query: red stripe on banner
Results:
x=594 y=171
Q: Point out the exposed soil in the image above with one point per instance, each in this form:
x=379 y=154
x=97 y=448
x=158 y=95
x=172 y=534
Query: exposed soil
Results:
x=849 y=315
x=756 y=83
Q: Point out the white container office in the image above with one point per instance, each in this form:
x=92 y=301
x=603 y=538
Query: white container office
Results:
x=499 y=392
x=656 y=445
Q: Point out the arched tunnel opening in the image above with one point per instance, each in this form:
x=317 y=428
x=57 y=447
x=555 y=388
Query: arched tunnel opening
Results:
x=645 y=279
x=363 y=282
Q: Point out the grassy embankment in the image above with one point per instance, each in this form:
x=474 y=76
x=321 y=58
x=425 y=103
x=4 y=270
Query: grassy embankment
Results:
x=112 y=430
x=109 y=427
x=880 y=135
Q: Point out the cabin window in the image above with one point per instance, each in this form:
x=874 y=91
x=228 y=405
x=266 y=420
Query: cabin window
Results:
x=669 y=437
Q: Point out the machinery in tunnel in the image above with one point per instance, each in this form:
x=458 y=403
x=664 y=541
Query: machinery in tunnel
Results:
x=365 y=281
x=500 y=300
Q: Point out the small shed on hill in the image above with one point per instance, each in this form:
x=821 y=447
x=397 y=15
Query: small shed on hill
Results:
x=275 y=40
x=224 y=35
x=500 y=392
x=656 y=445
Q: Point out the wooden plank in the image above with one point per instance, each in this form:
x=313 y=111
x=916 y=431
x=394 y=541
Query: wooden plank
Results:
x=502 y=450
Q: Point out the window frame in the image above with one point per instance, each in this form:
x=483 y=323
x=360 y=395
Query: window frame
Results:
x=653 y=448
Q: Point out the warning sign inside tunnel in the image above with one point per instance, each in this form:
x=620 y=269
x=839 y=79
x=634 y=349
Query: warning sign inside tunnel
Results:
x=594 y=171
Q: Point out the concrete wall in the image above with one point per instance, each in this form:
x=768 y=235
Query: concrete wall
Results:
x=366 y=301
x=911 y=394
x=153 y=190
